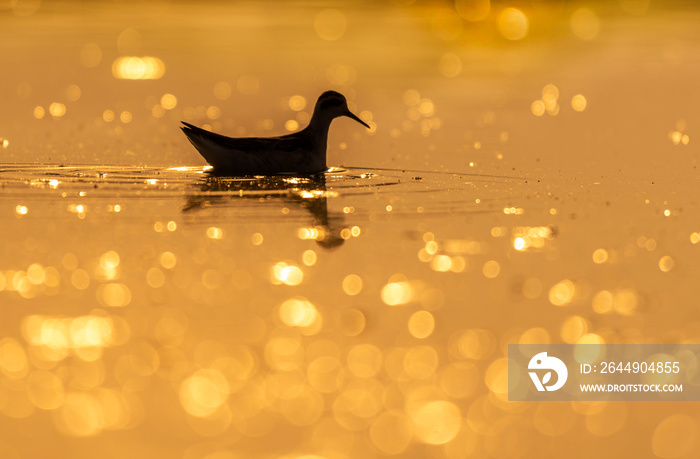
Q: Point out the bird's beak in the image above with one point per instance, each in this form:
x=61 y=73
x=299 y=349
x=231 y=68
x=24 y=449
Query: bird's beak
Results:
x=350 y=114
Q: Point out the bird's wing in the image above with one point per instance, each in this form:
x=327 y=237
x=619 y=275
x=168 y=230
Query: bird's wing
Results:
x=244 y=144
x=247 y=156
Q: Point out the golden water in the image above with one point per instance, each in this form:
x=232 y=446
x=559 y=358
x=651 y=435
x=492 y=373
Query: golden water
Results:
x=529 y=177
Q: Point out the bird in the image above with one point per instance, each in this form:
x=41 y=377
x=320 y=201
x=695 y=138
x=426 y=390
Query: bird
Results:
x=299 y=153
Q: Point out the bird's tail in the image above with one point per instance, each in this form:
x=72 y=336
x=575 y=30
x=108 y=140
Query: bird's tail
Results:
x=204 y=141
x=193 y=133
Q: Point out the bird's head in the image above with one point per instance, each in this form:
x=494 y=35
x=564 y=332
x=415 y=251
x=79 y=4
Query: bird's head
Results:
x=332 y=104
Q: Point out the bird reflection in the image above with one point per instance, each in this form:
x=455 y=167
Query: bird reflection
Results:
x=307 y=192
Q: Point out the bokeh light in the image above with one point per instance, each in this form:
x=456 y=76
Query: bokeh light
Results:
x=421 y=324
x=526 y=179
x=513 y=24
x=585 y=24
x=138 y=68
x=330 y=24
x=578 y=102
x=436 y=422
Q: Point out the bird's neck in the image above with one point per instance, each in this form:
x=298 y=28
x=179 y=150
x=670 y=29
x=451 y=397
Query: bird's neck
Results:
x=320 y=122
x=318 y=127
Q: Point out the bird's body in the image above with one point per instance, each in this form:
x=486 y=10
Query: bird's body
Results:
x=302 y=152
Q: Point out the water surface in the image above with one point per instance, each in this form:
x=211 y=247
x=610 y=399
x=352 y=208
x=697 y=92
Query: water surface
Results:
x=152 y=310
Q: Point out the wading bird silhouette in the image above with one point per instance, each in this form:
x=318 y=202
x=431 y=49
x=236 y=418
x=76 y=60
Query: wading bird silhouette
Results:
x=300 y=153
